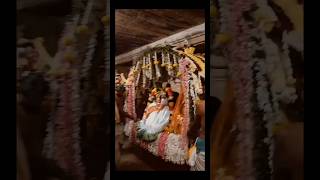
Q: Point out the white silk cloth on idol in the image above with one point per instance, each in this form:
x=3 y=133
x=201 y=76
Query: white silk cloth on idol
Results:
x=156 y=121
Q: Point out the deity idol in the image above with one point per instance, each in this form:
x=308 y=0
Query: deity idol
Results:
x=155 y=118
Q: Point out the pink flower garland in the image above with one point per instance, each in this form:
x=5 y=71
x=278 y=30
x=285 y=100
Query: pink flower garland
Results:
x=63 y=137
x=185 y=78
x=65 y=146
x=162 y=144
x=242 y=77
x=130 y=101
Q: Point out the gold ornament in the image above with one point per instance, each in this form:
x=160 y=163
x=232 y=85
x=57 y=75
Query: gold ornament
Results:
x=175 y=65
x=156 y=62
x=163 y=65
x=170 y=67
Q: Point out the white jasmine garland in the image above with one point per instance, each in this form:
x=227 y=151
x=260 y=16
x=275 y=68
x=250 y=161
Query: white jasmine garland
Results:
x=87 y=13
x=144 y=73
x=138 y=76
x=48 y=147
x=150 y=67
x=170 y=72
x=163 y=59
x=262 y=92
x=158 y=74
x=89 y=56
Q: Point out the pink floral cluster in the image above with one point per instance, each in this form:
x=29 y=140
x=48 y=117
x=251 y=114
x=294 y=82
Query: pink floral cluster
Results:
x=185 y=79
x=241 y=73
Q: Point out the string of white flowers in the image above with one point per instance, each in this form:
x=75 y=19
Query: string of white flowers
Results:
x=169 y=65
x=193 y=93
x=89 y=56
x=48 y=147
x=147 y=71
x=163 y=64
x=138 y=71
x=156 y=64
x=175 y=65
x=275 y=73
x=150 y=67
x=144 y=75
x=76 y=105
x=87 y=13
x=265 y=105
x=289 y=95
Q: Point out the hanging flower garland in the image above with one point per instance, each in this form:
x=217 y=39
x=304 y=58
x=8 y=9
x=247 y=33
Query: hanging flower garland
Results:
x=262 y=76
x=150 y=66
x=169 y=66
x=156 y=64
x=48 y=147
x=144 y=74
x=63 y=139
x=131 y=96
x=185 y=78
x=232 y=12
x=137 y=73
x=86 y=65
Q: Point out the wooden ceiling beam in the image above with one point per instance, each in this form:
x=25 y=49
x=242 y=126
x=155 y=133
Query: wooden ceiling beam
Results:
x=194 y=35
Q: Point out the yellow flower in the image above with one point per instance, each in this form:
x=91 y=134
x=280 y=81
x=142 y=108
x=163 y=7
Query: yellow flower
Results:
x=105 y=20
x=213 y=11
x=278 y=127
x=69 y=57
x=222 y=38
x=82 y=29
x=67 y=41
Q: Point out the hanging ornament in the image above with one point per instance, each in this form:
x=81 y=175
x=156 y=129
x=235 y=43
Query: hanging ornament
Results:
x=89 y=56
x=138 y=72
x=169 y=65
x=175 y=63
x=144 y=76
x=150 y=66
x=156 y=64
x=163 y=60
x=83 y=28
